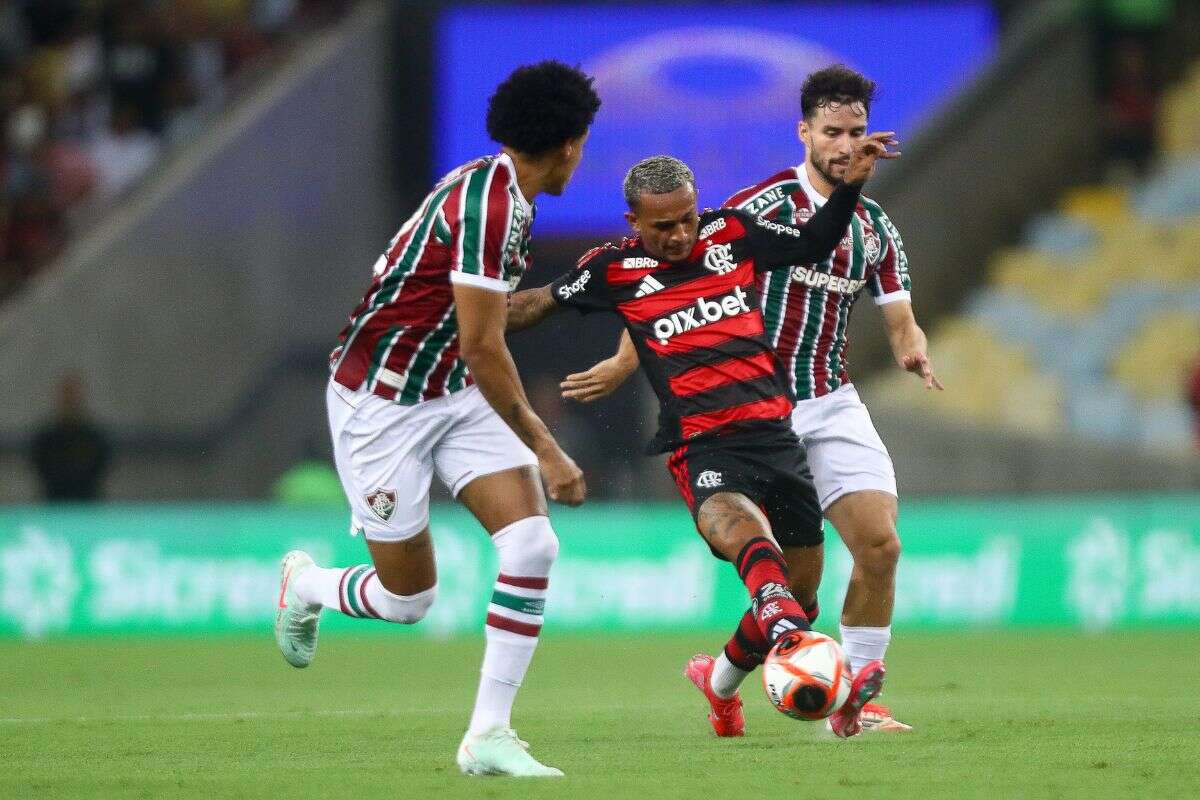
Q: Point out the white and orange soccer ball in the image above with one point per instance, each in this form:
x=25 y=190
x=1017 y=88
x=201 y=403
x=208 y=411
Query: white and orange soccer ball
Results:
x=807 y=677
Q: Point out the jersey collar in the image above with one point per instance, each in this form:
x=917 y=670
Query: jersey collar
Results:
x=512 y=168
x=816 y=197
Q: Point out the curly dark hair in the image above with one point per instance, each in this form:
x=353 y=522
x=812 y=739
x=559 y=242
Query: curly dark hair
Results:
x=540 y=106
x=835 y=84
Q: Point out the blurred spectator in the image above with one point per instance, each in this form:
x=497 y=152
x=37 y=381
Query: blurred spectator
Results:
x=14 y=34
x=93 y=91
x=125 y=153
x=1194 y=401
x=1131 y=106
x=569 y=429
x=71 y=453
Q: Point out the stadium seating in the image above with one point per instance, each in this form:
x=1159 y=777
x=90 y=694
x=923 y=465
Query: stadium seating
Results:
x=94 y=95
x=1090 y=325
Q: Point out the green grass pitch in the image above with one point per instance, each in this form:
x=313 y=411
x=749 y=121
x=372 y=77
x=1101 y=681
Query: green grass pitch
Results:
x=998 y=715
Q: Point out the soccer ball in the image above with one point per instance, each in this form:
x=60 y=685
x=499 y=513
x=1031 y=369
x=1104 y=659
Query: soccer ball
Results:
x=807 y=677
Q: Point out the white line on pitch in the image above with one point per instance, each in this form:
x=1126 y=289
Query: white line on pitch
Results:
x=216 y=717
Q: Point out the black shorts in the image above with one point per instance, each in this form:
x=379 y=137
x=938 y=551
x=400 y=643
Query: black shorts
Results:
x=768 y=464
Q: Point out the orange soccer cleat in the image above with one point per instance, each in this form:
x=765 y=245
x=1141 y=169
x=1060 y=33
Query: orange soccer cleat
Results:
x=868 y=683
x=726 y=714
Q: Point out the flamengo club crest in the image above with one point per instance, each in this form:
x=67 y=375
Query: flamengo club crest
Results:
x=383 y=503
x=709 y=479
x=719 y=259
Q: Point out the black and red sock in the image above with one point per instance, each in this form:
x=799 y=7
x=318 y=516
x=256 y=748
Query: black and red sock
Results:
x=776 y=612
x=747 y=648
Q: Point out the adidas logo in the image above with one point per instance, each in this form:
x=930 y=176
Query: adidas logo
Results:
x=649 y=285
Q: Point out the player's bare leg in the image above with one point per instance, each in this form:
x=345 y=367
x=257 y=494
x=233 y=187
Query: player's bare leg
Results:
x=737 y=529
x=399 y=587
x=512 y=508
x=805 y=565
x=866 y=521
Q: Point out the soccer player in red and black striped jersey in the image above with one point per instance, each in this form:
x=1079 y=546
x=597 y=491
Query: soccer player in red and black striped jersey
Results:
x=422 y=382
x=685 y=288
x=806 y=310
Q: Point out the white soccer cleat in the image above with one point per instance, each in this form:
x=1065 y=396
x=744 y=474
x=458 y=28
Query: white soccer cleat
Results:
x=296 y=622
x=876 y=717
x=498 y=751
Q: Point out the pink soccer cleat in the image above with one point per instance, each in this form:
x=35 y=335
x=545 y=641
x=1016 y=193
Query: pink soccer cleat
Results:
x=726 y=714
x=867 y=684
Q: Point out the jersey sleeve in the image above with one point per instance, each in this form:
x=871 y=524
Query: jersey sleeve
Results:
x=890 y=281
x=485 y=223
x=585 y=287
x=778 y=245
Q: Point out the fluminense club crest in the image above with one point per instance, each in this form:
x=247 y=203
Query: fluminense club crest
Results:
x=383 y=503
x=872 y=246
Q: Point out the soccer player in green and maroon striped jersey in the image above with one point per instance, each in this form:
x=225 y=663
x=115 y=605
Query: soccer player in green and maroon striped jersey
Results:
x=422 y=382
x=806 y=311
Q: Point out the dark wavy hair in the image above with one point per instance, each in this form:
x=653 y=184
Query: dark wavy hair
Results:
x=836 y=84
x=540 y=106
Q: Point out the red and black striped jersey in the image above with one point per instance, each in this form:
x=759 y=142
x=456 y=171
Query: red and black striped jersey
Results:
x=697 y=324
x=402 y=340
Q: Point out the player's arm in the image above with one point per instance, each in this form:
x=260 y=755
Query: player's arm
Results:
x=908 y=341
x=481 y=320
x=779 y=245
x=528 y=307
x=603 y=378
x=583 y=289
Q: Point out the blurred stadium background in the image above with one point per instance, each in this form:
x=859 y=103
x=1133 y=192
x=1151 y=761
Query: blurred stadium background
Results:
x=193 y=192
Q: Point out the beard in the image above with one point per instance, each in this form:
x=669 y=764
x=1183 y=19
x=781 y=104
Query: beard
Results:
x=826 y=170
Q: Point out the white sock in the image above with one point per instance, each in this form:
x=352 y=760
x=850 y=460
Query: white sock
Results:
x=357 y=592
x=863 y=645
x=726 y=678
x=318 y=586
x=526 y=551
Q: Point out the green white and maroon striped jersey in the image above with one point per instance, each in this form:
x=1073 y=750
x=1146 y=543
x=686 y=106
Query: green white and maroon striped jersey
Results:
x=402 y=339
x=807 y=308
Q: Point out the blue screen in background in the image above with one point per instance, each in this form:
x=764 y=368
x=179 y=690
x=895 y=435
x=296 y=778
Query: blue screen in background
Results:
x=716 y=87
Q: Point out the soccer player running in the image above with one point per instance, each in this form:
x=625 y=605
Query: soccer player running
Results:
x=806 y=310
x=423 y=382
x=685 y=289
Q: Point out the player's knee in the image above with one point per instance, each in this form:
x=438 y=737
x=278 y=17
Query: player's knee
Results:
x=880 y=553
x=530 y=543
x=405 y=609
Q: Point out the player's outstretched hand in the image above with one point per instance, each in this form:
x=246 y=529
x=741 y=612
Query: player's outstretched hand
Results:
x=564 y=480
x=592 y=384
x=918 y=364
x=867 y=151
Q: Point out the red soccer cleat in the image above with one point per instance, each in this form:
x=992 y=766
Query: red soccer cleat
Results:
x=866 y=686
x=726 y=714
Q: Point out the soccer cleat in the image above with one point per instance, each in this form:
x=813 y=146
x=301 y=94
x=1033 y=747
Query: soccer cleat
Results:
x=498 y=751
x=295 y=621
x=875 y=717
x=846 y=721
x=726 y=714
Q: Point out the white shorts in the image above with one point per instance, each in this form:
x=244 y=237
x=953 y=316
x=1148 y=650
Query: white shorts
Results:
x=386 y=454
x=845 y=452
